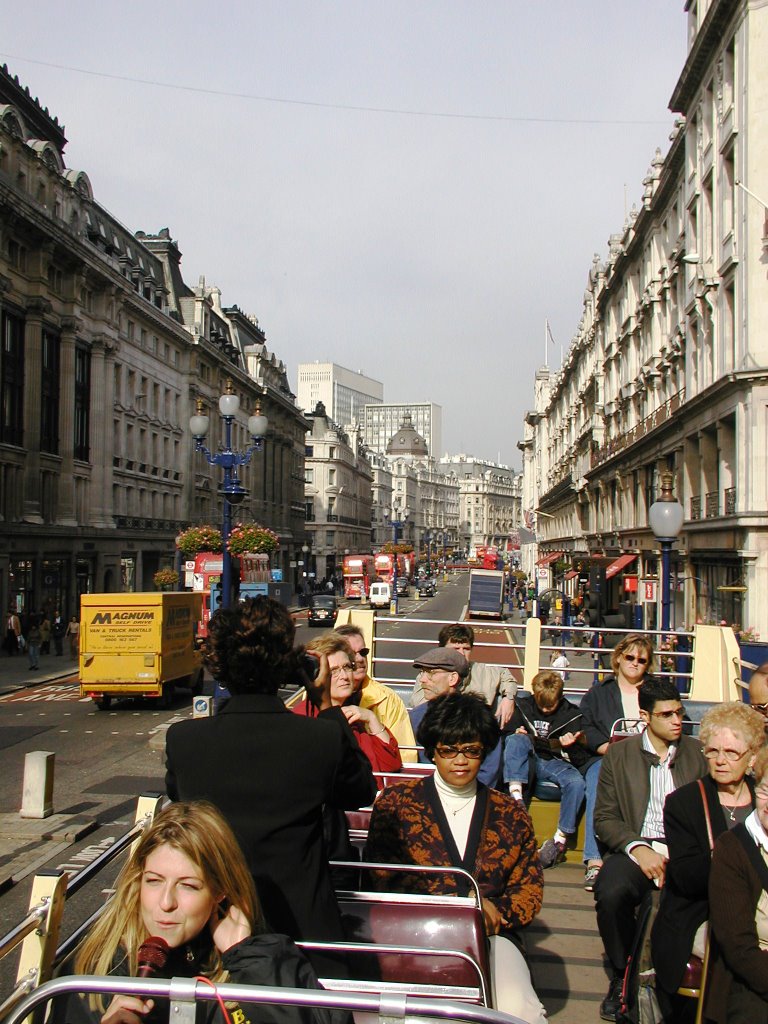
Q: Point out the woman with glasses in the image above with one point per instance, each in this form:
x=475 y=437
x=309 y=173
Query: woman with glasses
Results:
x=738 y=913
x=450 y=819
x=731 y=736
x=375 y=740
x=615 y=698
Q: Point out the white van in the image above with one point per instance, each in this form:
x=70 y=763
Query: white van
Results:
x=380 y=595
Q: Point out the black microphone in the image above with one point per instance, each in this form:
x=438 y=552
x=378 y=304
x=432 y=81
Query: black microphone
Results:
x=152 y=957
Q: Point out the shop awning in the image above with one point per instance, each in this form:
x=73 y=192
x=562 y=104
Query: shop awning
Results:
x=572 y=574
x=620 y=563
x=551 y=557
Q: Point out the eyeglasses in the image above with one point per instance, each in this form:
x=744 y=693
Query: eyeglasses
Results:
x=472 y=751
x=712 y=754
x=431 y=671
x=631 y=658
x=762 y=708
x=675 y=713
x=341 y=670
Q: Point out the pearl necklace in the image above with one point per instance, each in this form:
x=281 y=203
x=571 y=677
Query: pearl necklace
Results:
x=730 y=809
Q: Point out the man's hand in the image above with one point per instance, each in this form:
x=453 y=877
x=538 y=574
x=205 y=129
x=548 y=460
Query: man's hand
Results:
x=505 y=710
x=652 y=864
x=492 y=917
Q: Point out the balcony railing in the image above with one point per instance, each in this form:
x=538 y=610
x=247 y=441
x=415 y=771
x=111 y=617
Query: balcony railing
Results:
x=712 y=504
x=730 y=501
x=696 y=507
x=332 y=518
x=639 y=431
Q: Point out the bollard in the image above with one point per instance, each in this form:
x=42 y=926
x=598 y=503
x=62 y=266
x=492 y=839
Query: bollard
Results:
x=37 y=798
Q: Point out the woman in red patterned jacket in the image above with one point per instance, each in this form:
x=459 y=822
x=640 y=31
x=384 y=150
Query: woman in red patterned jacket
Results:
x=452 y=820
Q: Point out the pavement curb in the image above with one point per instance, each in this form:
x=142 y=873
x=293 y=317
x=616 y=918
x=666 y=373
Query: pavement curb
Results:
x=49 y=836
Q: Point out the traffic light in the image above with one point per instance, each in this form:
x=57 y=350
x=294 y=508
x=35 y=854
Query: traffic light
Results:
x=595 y=598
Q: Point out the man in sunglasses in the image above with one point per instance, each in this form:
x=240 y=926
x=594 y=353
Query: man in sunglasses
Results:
x=637 y=775
x=758 y=691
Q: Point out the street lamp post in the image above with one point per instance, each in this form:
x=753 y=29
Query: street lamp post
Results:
x=666 y=520
x=231 y=490
x=397 y=526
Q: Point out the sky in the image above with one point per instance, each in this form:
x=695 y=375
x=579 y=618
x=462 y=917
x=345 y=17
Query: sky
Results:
x=409 y=188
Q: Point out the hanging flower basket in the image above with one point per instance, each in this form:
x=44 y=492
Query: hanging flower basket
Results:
x=199 y=538
x=396 y=549
x=165 y=578
x=253 y=538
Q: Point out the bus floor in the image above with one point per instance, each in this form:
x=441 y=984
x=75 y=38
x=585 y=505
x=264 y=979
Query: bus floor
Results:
x=564 y=950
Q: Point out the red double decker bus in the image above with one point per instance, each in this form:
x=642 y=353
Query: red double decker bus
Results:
x=358 y=572
x=384 y=566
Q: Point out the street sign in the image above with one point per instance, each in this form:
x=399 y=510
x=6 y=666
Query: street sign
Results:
x=542 y=572
x=650 y=591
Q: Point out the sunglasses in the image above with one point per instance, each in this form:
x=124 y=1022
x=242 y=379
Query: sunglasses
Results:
x=762 y=708
x=676 y=713
x=632 y=658
x=472 y=751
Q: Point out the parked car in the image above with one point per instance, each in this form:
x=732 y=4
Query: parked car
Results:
x=426 y=587
x=322 y=610
x=401 y=584
x=379 y=595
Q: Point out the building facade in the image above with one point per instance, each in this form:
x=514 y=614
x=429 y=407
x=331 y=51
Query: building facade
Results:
x=668 y=369
x=104 y=353
x=489 y=512
x=343 y=392
x=337 y=493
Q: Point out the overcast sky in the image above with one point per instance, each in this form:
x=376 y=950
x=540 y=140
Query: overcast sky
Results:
x=408 y=188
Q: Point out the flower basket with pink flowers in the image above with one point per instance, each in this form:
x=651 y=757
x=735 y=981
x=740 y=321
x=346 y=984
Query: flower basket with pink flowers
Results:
x=252 y=537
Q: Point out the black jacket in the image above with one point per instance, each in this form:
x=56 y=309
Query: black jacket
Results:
x=544 y=728
x=684 y=898
x=271 y=960
x=270 y=772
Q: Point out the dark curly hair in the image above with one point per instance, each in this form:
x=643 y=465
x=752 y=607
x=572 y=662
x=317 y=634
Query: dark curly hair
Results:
x=250 y=646
x=458 y=718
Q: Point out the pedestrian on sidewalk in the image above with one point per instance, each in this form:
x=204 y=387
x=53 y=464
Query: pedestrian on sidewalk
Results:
x=33 y=643
x=58 y=629
x=45 y=634
x=12 y=632
x=73 y=632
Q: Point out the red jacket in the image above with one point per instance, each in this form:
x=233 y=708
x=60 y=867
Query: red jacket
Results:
x=382 y=751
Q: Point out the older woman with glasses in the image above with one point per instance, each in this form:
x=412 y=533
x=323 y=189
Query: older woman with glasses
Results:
x=731 y=736
x=375 y=740
x=738 y=915
x=450 y=819
x=615 y=698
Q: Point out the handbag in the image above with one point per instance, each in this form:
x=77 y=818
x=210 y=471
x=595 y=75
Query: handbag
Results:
x=21 y=642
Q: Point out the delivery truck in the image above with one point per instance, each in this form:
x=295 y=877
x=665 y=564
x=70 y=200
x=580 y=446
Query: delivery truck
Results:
x=139 y=645
x=486 y=592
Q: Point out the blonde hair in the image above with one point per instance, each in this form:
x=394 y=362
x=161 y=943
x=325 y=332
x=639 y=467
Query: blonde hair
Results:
x=739 y=718
x=760 y=767
x=198 y=831
x=331 y=643
x=643 y=643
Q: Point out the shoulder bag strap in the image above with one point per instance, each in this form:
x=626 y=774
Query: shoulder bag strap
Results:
x=753 y=852
x=706 y=815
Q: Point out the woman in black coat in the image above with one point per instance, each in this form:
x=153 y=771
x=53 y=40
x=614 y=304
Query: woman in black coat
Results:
x=731 y=736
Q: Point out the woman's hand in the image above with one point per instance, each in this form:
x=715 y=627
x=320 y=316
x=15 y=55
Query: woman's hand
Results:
x=353 y=714
x=127 y=1010
x=492 y=917
x=319 y=691
x=228 y=927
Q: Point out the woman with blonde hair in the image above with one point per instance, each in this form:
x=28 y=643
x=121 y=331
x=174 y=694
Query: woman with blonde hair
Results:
x=731 y=737
x=738 y=915
x=186 y=887
x=632 y=661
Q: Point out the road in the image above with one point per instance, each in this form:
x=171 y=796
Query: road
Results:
x=104 y=760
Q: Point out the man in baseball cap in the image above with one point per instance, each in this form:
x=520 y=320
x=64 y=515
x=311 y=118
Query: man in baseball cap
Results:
x=444 y=670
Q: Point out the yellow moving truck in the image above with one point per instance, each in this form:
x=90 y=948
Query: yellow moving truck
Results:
x=138 y=645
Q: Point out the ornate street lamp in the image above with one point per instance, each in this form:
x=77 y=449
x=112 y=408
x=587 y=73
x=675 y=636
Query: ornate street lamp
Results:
x=231 y=490
x=397 y=527
x=666 y=520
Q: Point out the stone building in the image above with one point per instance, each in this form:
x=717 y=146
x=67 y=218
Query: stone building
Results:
x=489 y=501
x=668 y=369
x=337 y=494
x=104 y=351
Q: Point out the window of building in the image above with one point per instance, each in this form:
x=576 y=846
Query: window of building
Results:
x=49 y=406
x=330 y=538
x=331 y=452
x=309 y=511
x=309 y=475
x=331 y=477
x=12 y=380
x=82 y=402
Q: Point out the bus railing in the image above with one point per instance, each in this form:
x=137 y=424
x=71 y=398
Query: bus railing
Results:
x=184 y=993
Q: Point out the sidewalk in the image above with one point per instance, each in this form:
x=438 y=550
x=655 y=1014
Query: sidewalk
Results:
x=15 y=673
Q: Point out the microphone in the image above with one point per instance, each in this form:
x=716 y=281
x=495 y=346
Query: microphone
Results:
x=152 y=957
